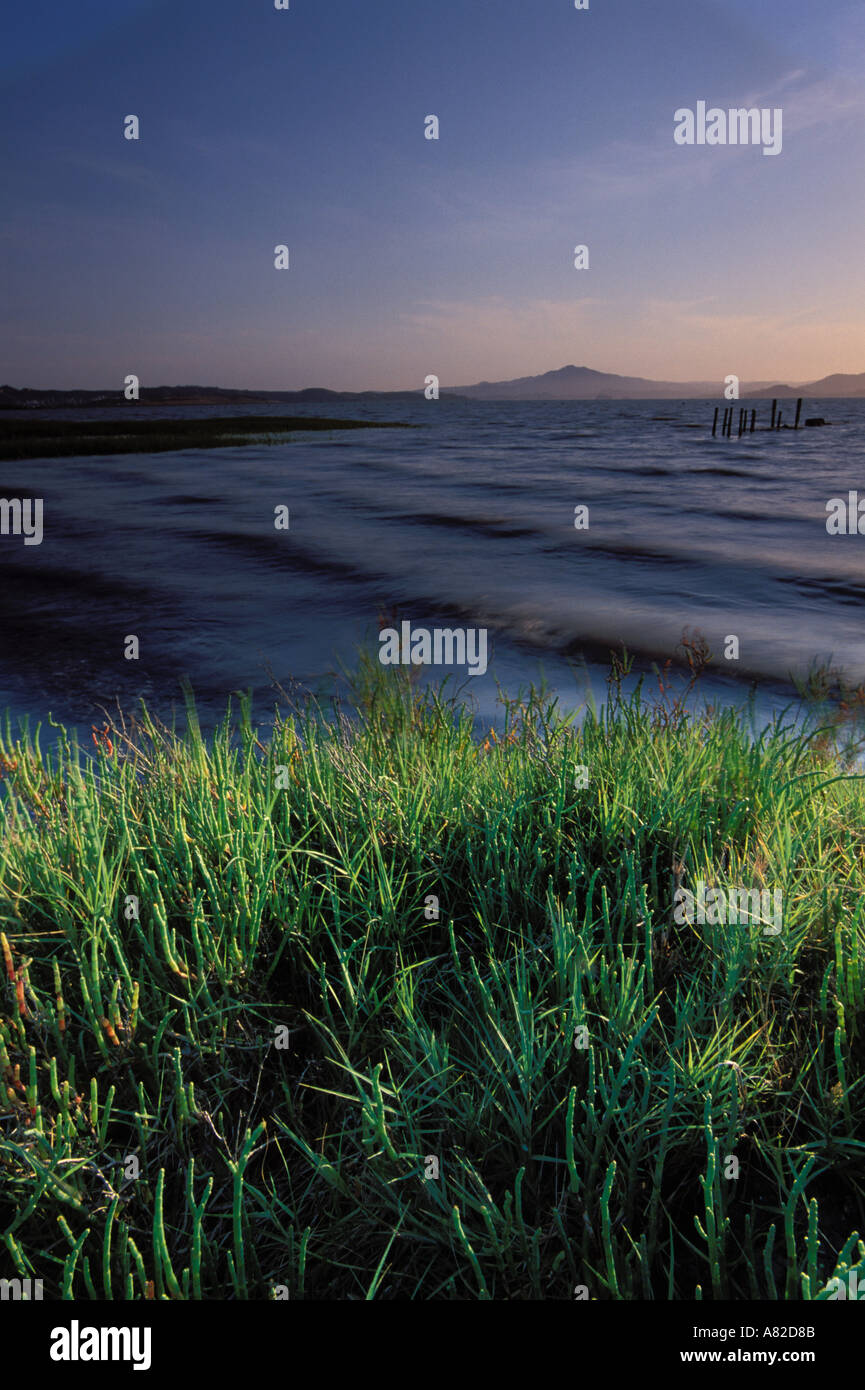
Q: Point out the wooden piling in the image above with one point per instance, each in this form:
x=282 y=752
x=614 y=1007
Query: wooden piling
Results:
x=753 y=420
x=774 y=408
x=778 y=425
x=715 y=422
x=798 y=412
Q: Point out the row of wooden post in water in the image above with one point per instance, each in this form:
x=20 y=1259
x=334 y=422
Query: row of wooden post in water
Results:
x=727 y=421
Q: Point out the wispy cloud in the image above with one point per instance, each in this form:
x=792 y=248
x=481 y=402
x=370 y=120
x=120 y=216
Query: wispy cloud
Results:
x=813 y=101
x=652 y=165
x=140 y=176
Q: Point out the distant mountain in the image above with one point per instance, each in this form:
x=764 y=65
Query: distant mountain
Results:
x=585 y=384
x=841 y=384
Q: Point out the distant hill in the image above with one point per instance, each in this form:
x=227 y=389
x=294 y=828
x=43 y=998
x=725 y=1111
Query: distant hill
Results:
x=841 y=384
x=26 y=398
x=584 y=384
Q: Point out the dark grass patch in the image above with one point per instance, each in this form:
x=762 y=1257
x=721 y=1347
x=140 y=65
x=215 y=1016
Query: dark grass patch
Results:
x=23 y=439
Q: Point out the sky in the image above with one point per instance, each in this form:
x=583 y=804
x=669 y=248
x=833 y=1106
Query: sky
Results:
x=408 y=256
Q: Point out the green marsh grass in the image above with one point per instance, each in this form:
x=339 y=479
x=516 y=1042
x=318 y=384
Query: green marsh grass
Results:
x=281 y=1039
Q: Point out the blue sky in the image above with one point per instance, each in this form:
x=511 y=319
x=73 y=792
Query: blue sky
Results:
x=410 y=256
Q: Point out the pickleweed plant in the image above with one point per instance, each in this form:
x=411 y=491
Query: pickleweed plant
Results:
x=373 y=1005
